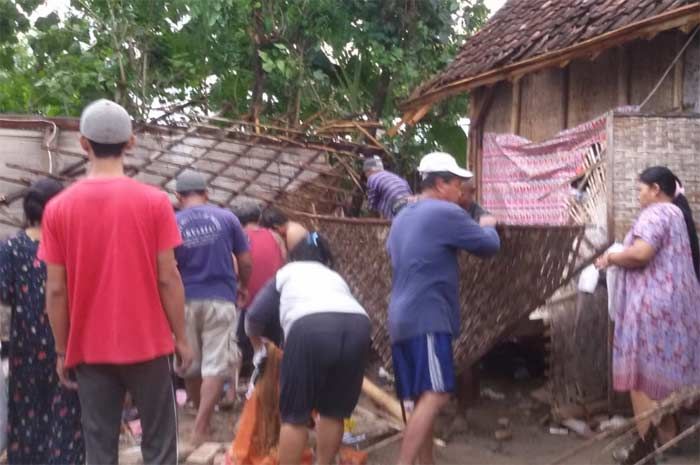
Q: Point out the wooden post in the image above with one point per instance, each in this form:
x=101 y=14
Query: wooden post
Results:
x=471 y=138
x=565 y=92
x=678 y=72
x=383 y=399
x=623 y=77
x=476 y=132
x=515 y=108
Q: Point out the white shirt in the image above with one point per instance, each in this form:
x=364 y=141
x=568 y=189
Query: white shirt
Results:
x=309 y=287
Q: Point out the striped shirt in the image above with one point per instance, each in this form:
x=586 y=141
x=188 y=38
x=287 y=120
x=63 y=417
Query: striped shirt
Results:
x=384 y=188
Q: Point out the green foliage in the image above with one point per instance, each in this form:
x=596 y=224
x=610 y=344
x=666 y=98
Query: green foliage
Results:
x=282 y=61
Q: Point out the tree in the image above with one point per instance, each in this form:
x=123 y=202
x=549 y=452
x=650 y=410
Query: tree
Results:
x=284 y=61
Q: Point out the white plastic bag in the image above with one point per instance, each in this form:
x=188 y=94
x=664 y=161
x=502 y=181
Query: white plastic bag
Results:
x=588 y=280
x=611 y=278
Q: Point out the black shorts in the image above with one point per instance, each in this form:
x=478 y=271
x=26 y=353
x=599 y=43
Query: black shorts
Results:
x=324 y=361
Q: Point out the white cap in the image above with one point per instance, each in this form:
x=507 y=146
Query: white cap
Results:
x=105 y=122
x=437 y=162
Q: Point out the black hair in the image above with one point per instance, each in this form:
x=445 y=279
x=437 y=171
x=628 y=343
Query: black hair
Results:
x=668 y=183
x=107 y=150
x=247 y=212
x=314 y=248
x=430 y=179
x=185 y=194
x=272 y=217
x=36 y=198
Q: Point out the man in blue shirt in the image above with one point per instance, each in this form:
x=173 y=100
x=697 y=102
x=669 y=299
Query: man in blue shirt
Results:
x=211 y=237
x=424 y=312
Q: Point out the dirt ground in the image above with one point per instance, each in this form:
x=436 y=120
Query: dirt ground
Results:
x=471 y=441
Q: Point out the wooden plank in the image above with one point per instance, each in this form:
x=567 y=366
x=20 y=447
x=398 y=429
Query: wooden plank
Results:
x=515 y=108
x=648 y=62
x=592 y=88
x=623 y=77
x=678 y=73
x=691 y=78
x=474 y=102
x=497 y=118
x=539 y=118
x=565 y=96
x=476 y=133
x=204 y=455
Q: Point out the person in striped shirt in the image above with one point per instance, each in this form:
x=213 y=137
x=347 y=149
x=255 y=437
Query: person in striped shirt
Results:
x=387 y=192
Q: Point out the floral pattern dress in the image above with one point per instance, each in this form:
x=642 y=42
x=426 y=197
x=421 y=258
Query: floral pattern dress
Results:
x=43 y=417
x=656 y=347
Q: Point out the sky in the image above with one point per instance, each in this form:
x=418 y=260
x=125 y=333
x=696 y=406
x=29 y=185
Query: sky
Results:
x=494 y=4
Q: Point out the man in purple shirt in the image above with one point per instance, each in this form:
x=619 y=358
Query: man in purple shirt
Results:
x=211 y=237
x=387 y=192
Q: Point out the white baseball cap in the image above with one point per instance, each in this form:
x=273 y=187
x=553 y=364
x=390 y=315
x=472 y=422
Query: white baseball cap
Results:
x=105 y=122
x=441 y=162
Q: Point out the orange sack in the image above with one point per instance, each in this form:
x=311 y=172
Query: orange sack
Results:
x=258 y=427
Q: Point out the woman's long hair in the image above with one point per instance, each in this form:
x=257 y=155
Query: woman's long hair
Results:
x=672 y=186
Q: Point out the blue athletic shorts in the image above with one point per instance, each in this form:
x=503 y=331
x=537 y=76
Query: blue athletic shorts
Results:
x=423 y=363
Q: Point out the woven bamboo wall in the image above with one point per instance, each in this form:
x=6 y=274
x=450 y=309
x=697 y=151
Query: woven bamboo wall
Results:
x=637 y=142
x=495 y=294
x=579 y=363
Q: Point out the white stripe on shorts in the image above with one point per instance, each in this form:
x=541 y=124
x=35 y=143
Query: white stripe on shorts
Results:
x=434 y=367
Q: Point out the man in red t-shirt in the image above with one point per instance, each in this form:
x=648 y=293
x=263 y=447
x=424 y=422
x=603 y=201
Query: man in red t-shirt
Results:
x=268 y=254
x=114 y=295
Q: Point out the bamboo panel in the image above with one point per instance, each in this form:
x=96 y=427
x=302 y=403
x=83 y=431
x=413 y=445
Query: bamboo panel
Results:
x=495 y=293
x=643 y=141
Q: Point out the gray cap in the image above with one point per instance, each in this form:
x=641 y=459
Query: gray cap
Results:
x=190 y=181
x=105 y=122
x=373 y=163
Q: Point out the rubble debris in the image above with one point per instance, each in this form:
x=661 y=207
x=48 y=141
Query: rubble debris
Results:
x=131 y=456
x=579 y=427
x=557 y=431
x=456 y=427
x=492 y=395
x=350 y=439
x=220 y=459
x=614 y=423
x=542 y=395
x=204 y=454
x=503 y=434
x=386 y=376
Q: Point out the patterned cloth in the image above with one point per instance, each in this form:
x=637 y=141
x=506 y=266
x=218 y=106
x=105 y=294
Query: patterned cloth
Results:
x=524 y=182
x=656 y=348
x=43 y=418
x=384 y=189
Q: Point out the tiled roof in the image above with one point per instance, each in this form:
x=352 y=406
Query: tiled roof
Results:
x=524 y=29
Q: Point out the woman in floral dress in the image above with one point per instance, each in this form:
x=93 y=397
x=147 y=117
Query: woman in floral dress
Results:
x=43 y=417
x=656 y=348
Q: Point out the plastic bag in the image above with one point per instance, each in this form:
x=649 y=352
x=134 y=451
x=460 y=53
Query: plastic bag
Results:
x=612 y=276
x=588 y=280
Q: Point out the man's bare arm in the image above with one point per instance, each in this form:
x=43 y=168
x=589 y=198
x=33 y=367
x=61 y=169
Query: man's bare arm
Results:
x=57 y=310
x=172 y=297
x=245 y=267
x=57 y=305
